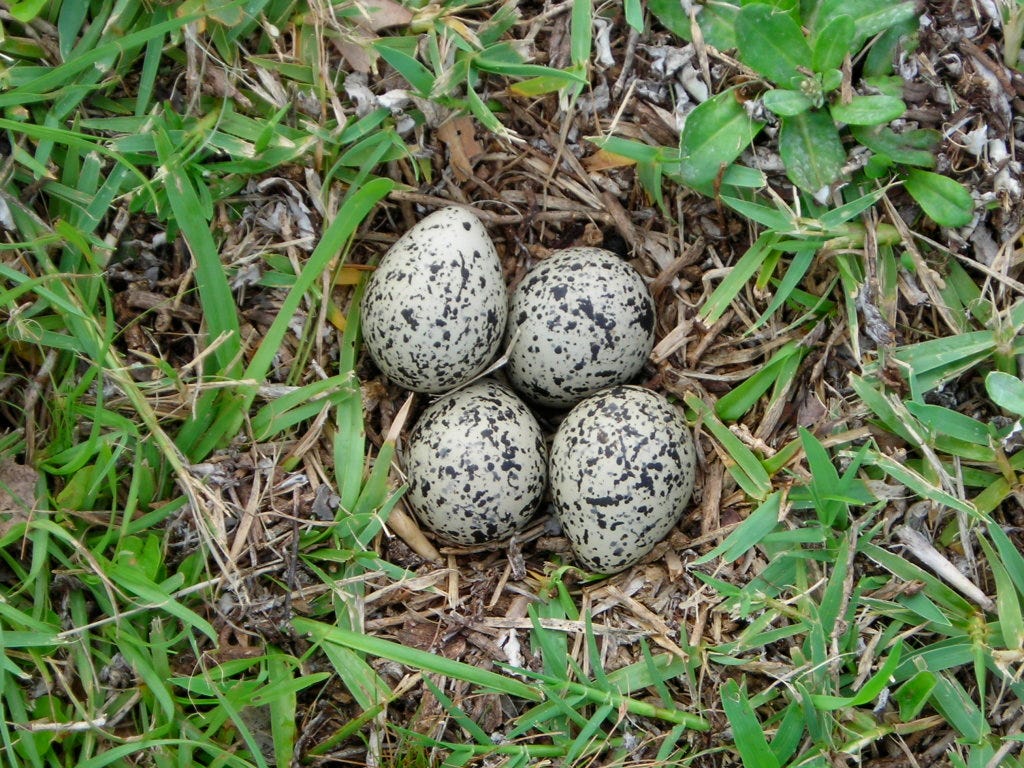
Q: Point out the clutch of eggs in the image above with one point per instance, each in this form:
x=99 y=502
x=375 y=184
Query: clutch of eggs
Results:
x=580 y=325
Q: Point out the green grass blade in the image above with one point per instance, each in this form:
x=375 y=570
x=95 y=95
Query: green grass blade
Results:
x=743 y=465
x=748 y=735
x=333 y=241
x=749 y=533
x=215 y=294
x=413 y=657
x=739 y=275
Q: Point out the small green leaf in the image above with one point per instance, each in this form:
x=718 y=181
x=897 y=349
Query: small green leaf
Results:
x=830 y=80
x=637 y=151
x=768 y=216
x=737 y=402
x=869 y=16
x=832 y=44
x=868 y=692
x=883 y=16
x=634 y=10
x=715 y=134
x=26 y=10
x=720 y=299
x=810 y=147
x=417 y=75
x=1011 y=619
x=916 y=147
x=581 y=33
x=717 y=21
x=742 y=464
x=771 y=43
x=786 y=103
x=933 y=362
x=944 y=200
x=950 y=423
x=1006 y=391
x=868 y=110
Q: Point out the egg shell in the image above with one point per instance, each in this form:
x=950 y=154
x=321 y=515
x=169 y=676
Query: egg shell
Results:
x=476 y=464
x=622 y=472
x=585 y=321
x=434 y=312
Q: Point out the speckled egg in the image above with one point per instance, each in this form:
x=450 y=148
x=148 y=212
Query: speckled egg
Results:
x=585 y=321
x=476 y=465
x=622 y=471
x=434 y=311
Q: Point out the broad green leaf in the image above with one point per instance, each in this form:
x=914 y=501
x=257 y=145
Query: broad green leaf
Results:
x=717 y=20
x=786 y=103
x=943 y=199
x=811 y=150
x=831 y=79
x=868 y=110
x=886 y=46
x=884 y=15
x=714 y=135
x=417 y=75
x=1006 y=391
x=869 y=16
x=832 y=44
x=26 y=10
x=770 y=42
